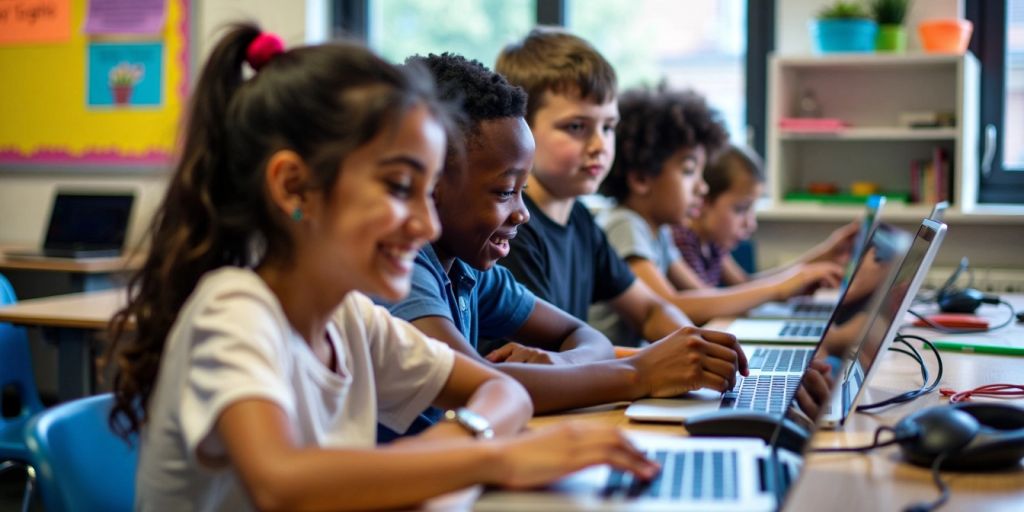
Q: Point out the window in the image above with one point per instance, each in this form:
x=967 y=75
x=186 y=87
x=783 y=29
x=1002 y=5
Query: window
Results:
x=476 y=29
x=1001 y=52
x=718 y=47
x=700 y=45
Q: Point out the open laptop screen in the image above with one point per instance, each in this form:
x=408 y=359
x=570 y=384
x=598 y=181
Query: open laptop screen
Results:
x=897 y=298
x=86 y=221
x=873 y=209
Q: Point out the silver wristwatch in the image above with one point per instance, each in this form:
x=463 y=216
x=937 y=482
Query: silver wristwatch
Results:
x=473 y=423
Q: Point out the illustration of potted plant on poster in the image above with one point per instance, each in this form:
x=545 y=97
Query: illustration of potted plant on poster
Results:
x=125 y=75
x=123 y=78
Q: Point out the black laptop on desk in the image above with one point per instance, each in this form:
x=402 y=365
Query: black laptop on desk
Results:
x=84 y=225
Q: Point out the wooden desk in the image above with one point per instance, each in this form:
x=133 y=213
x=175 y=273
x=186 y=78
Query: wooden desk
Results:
x=40 y=277
x=72 y=322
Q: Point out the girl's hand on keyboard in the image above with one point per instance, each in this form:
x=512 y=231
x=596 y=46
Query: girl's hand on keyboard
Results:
x=542 y=456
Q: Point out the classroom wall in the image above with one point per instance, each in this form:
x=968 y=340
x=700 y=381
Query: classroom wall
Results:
x=26 y=194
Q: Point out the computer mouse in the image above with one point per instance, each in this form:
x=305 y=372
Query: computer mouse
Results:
x=927 y=434
x=961 y=301
x=976 y=435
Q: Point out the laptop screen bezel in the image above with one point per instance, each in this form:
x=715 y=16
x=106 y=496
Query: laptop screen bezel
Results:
x=50 y=241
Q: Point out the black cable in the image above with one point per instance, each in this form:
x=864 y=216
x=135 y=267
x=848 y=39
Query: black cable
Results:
x=926 y=386
x=953 y=330
x=943 y=489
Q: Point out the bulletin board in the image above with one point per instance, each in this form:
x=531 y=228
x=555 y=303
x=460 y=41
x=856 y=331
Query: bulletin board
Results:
x=74 y=99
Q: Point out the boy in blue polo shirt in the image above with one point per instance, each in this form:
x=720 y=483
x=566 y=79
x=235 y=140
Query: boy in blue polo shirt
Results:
x=459 y=295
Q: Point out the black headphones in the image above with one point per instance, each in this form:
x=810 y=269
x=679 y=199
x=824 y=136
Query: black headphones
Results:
x=968 y=436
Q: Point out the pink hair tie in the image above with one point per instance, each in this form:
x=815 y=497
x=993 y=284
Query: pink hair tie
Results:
x=262 y=49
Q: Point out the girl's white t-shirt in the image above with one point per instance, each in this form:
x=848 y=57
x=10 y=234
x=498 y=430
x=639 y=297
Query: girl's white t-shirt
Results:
x=232 y=342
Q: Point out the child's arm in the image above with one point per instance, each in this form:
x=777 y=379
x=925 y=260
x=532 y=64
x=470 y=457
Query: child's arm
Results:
x=281 y=474
x=837 y=248
x=703 y=305
x=683 y=277
x=552 y=336
x=685 y=360
x=648 y=313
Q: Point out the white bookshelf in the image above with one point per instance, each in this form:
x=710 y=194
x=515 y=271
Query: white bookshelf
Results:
x=868 y=92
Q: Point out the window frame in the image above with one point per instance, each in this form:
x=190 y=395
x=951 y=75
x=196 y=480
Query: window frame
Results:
x=350 y=19
x=997 y=185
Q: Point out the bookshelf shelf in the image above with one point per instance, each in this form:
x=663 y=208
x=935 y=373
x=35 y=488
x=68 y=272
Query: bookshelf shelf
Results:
x=868 y=93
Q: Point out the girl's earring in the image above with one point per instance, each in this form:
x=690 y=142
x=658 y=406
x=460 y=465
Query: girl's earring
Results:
x=297 y=214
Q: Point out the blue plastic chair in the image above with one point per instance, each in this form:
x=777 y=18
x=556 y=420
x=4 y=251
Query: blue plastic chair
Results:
x=746 y=256
x=80 y=464
x=18 y=383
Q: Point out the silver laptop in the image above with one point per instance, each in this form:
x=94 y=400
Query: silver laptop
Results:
x=892 y=297
x=84 y=224
x=817 y=307
x=939 y=211
x=775 y=371
x=882 y=330
x=884 y=240
x=707 y=474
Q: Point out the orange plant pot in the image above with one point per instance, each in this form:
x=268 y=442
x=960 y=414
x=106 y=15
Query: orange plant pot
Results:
x=945 y=35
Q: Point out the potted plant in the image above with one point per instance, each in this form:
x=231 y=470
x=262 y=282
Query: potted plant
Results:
x=122 y=79
x=889 y=14
x=844 y=26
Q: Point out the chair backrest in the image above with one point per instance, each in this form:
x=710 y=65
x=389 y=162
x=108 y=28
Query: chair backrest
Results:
x=16 y=374
x=81 y=465
x=746 y=255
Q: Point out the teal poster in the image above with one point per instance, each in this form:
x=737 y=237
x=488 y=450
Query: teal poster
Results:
x=124 y=75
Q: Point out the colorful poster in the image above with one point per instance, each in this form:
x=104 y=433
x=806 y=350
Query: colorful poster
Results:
x=125 y=75
x=34 y=21
x=125 y=17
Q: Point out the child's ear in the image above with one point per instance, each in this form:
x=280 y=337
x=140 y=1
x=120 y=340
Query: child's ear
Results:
x=638 y=183
x=288 y=181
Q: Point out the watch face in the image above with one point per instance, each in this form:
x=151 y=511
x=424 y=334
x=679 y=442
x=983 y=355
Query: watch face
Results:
x=471 y=421
x=474 y=421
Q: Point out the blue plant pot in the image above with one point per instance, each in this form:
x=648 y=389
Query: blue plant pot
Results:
x=856 y=35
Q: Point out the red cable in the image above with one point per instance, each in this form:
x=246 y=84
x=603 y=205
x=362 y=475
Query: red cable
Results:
x=988 y=390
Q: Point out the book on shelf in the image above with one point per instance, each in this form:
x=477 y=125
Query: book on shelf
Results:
x=930 y=178
x=812 y=124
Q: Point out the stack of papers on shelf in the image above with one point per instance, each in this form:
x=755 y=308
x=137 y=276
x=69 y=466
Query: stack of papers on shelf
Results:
x=812 y=124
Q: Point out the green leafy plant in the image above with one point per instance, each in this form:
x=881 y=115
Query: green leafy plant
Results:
x=125 y=74
x=889 y=12
x=844 y=10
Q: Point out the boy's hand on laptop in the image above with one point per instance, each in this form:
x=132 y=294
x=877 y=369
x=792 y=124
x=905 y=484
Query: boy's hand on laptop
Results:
x=539 y=457
x=837 y=247
x=690 y=359
x=513 y=352
x=806 y=277
x=815 y=388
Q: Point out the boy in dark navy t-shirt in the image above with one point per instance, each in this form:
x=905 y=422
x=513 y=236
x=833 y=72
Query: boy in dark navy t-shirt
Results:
x=562 y=255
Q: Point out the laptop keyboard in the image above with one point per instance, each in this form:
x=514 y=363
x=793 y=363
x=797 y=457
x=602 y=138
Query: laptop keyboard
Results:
x=685 y=475
x=765 y=393
x=776 y=360
x=812 y=310
x=768 y=479
x=811 y=329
